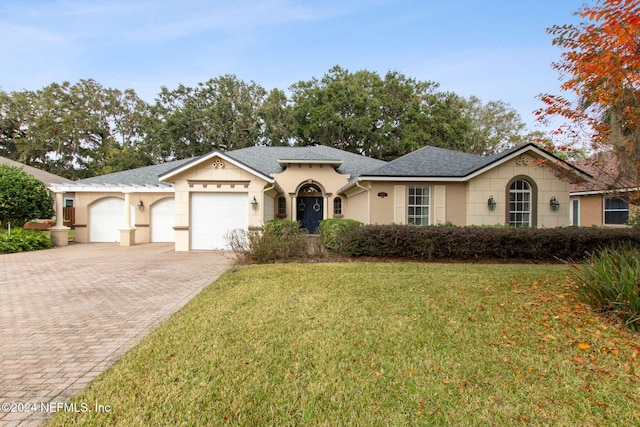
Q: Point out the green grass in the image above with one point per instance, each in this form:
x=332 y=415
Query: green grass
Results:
x=377 y=344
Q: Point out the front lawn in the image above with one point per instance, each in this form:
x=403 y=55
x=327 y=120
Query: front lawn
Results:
x=376 y=344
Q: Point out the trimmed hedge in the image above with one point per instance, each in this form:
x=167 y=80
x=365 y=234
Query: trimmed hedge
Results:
x=331 y=229
x=470 y=243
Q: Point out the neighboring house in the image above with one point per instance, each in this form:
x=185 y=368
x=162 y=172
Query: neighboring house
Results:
x=42 y=176
x=195 y=202
x=46 y=178
x=603 y=200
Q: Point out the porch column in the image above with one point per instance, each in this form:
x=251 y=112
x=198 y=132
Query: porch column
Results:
x=294 y=208
x=59 y=233
x=127 y=232
x=328 y=208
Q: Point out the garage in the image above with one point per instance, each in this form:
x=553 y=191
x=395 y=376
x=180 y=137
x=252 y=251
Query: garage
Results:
x=106 y=217
x=162 y=221
x=213 y=215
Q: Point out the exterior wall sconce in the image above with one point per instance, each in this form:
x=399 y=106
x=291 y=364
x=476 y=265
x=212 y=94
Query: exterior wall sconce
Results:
x=554 y=203
x=254 y=203
x=491 y=204
x=140 y=205
x=382 y=194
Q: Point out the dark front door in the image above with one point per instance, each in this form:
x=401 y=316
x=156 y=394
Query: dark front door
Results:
x=310 y=213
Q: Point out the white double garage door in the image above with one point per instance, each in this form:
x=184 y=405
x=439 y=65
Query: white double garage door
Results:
x=213 y=215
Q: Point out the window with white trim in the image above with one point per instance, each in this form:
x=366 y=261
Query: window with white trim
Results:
x=616 y=210
x=520 y=202
x=282 y=206
x=337 y=206
x=418 y=205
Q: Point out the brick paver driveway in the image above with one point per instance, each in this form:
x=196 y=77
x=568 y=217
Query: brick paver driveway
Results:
x=68 y=313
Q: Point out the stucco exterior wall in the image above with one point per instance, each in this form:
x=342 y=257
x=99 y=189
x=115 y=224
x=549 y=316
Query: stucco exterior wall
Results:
x=494 y=183
x=323 y=175
x=141 y=220
x=359 y=206
x=215 y=176
x=382 y=205
x=456 y=203
x=591 y=211
x=388 y=202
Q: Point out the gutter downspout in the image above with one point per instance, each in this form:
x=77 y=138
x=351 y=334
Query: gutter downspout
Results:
x=264 y=190
x=368 y=190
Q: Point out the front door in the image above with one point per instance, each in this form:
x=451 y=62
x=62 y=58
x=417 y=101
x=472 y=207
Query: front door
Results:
x=310 y=213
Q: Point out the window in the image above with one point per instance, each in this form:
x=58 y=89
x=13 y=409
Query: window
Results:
x=418 y=206
x=616 y=210
x=337 y=206
x=574 y=214
x=282 y=206
x=520 y=203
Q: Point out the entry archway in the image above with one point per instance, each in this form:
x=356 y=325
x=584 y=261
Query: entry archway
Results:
x=310 y=207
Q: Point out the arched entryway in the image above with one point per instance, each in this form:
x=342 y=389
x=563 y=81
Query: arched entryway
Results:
x=310 y=207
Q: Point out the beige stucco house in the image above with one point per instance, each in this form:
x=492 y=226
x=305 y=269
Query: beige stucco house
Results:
x=195 y=202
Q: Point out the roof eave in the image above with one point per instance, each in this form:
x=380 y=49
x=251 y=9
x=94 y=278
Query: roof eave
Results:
x=380 y=178
x=542 y=153
x=336 y=163
x=110 y=188
x=176 y=171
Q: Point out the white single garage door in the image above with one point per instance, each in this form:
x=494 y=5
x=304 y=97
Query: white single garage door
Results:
x=213 y=215
x=163 y=218
x=106 y=217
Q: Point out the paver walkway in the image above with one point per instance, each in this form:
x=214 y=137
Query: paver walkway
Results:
x=66 y=314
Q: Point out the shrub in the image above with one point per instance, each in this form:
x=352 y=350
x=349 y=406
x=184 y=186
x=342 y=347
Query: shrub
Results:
x=469 y=243
x=242 y=241
x=279 y=240
x=22 y=197
x=24 y=240
x=611 y=283
x=330 y=229
x=634 y=218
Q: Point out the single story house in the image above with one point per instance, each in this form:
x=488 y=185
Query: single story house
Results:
x=195 y=202
x=603 y=200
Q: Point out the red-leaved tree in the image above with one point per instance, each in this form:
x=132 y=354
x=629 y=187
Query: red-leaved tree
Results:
x=600 y=74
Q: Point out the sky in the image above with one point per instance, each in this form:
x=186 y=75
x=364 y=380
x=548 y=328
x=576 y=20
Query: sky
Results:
x=492 y=49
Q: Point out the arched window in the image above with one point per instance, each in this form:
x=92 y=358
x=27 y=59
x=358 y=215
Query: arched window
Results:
x=337 y=206
x=522 y=202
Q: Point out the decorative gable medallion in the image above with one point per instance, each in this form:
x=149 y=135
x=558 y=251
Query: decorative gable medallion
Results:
x=218 y=164
x=523 y=161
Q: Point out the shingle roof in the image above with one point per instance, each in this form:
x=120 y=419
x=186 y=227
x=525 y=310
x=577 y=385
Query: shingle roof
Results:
x=261 y=159
x=145 y=176
x=432 y=162
x=607 y=176
x=436 y=162
x=43 y=176
x=266 y=159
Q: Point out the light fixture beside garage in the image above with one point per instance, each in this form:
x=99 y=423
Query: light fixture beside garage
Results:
x=254 y=203
x=140 y=205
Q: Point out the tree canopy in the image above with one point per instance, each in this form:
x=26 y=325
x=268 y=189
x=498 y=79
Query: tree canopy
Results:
x=83 y=129
x=600 y=69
